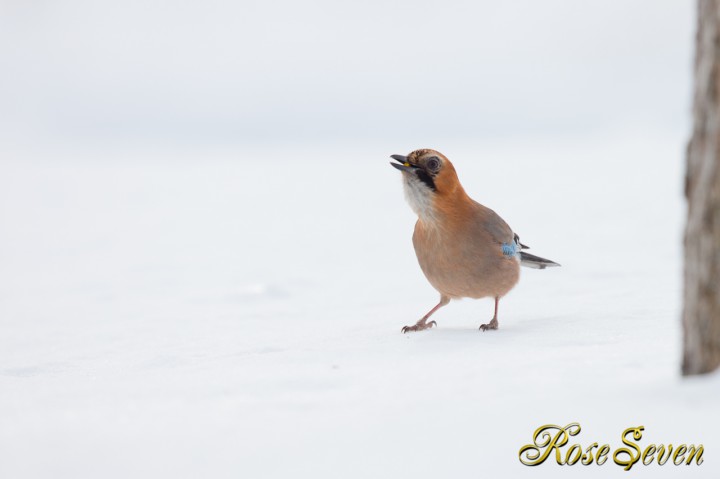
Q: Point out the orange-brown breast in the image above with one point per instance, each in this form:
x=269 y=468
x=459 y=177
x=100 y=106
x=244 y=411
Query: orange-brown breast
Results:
x=461 y=253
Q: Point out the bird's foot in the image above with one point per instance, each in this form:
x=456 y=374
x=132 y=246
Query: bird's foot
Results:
x=419 y=326
x=491 y=325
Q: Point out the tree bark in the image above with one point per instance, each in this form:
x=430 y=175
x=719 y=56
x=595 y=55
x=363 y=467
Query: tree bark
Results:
x=701 y=311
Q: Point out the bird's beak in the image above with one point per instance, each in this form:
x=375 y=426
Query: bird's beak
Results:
x=404 y=164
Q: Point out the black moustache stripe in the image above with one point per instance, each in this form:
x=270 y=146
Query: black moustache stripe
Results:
x=426 y=178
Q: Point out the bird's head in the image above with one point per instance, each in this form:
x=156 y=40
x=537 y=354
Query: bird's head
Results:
x=429 y=177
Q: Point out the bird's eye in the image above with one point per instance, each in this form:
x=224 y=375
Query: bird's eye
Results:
x=433 y=164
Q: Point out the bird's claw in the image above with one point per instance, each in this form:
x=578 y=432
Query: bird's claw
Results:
x=491 y=325
x=418 y=327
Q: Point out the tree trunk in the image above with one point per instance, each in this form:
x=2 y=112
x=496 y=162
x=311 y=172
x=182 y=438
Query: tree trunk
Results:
x=701 y=312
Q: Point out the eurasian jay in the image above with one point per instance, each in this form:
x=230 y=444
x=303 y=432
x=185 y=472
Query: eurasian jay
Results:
x=465 y=249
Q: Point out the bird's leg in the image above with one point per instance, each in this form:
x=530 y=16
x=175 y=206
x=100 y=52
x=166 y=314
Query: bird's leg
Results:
x=423 y=324
x=493 y=324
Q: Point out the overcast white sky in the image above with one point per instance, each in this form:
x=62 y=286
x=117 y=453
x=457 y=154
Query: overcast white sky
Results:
x=264 y=71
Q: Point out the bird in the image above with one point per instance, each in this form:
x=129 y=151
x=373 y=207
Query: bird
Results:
x=465 y=249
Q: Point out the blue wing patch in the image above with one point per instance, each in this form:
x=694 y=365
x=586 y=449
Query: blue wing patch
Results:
x=510 y=249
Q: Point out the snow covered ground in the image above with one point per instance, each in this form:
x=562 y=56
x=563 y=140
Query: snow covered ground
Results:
x=237 y=313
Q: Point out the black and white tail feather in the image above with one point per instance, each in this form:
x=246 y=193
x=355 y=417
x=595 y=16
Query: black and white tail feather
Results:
x=530 y=260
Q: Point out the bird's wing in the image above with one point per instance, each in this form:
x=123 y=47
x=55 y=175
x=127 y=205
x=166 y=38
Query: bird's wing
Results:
x=499 y=232
x=496 y=227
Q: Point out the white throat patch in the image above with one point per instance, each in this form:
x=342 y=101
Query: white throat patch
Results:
x=419 y=196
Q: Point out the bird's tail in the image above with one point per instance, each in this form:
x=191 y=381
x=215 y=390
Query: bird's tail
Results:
x=531 y=261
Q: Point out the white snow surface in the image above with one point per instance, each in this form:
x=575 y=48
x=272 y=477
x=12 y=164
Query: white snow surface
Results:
x=237 y=313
